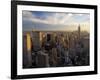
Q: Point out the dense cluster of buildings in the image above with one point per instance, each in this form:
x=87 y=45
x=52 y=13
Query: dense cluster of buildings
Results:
x=55 y=48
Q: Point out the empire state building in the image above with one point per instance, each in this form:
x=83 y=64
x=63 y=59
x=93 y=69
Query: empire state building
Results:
x=79 y=29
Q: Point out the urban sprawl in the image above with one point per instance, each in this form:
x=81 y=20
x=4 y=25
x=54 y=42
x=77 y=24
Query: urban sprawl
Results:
x=55 y=48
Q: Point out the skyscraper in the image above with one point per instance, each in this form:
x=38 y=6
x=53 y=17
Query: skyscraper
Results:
x=79 y=29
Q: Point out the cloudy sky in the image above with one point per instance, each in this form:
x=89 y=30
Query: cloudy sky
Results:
x=40 y=20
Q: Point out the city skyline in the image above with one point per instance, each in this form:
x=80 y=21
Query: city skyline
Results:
x=39 y=20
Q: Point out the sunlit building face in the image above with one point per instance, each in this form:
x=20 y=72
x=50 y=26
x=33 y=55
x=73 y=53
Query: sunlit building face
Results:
x=28 y=41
